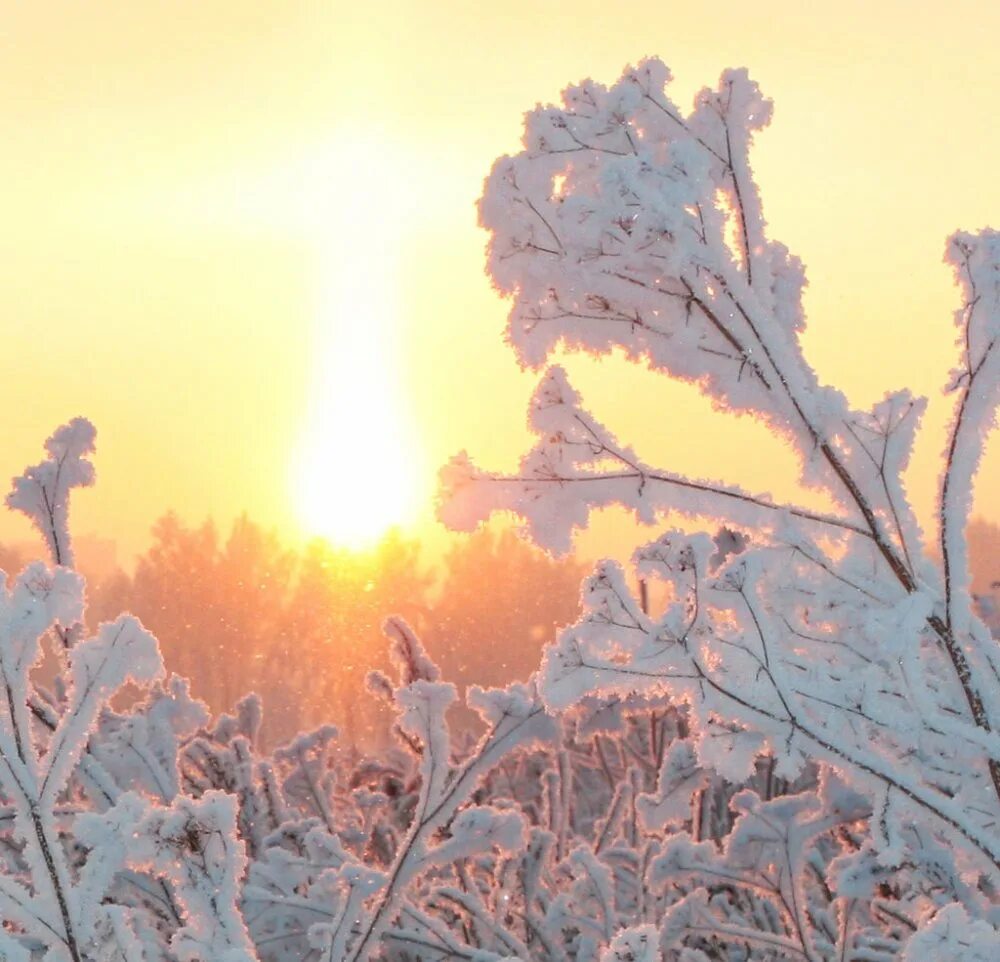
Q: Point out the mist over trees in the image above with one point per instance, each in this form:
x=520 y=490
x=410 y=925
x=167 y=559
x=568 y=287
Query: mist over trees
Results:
x=243 y=613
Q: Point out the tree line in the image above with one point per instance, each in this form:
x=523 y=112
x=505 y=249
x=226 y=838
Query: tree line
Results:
x=243 y=612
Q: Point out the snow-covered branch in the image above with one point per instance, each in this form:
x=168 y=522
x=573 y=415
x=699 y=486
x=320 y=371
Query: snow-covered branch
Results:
x=627 y=223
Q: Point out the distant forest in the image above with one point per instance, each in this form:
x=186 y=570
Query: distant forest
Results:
x=242 y=612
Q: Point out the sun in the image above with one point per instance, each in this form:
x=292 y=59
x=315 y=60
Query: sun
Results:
x=356 y=471
x=355 y=477
x=356 y=474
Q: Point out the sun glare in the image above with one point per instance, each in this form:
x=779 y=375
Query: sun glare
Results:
x=356 y=472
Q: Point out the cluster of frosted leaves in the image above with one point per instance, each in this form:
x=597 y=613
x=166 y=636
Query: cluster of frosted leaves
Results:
x=610 y=227
x=287 y=817
x=317 y=846
x=625 y=223
x=810 y=886
x=315 y=864
x=85 y=897
x=775 y=656
x=348 y=872
x=42 y=491
x=620 y=887
x=164 y=839
x=103 y=858
x=140 y=747
x=791 y=876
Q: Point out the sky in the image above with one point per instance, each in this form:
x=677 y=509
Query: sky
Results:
x=241 y=238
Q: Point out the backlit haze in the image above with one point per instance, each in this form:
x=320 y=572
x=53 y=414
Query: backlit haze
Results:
x=241 y=238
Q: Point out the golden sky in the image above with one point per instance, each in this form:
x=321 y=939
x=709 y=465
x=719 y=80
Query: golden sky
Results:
x=214 y=212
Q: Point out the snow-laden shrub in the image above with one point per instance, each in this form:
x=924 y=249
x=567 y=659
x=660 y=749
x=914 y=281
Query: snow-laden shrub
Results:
x=796 y=637
x=103 y=857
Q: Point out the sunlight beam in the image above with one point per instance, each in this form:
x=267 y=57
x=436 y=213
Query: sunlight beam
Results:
x=356 y=469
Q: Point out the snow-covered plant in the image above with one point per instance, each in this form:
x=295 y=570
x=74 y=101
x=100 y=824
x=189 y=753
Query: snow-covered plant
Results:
x=795 y=635
x=444 y=828
x=42 y=492
x=102 y=858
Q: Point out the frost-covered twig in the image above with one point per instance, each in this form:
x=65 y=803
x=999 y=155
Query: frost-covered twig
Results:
x=515 y=718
